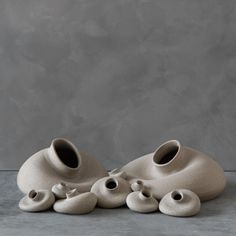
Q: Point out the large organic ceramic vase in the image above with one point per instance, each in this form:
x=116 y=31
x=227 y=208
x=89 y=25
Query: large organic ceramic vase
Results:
x=61 y=162
x=174 y=166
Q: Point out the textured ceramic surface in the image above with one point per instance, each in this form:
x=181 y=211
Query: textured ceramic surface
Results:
x=111 y=191
x=39 y=200
x=142 y=201
x=174 y=166
x=61 y=162
x=60 y=190
x=181 y=202
x=76 y=203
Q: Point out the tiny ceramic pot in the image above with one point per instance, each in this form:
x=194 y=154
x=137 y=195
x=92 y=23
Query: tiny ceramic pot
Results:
x=60 y=190
x=137 y=185
x=174 y=166
x=142 y=201
x=76 y=203
x=35 y=201
x=180 y=202
x=62 y=161
x=111 y=191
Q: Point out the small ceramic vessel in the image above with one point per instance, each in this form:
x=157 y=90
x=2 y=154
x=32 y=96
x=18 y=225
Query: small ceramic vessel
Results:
x=76 y=203
x=181 y=202
x=142 y=201
x=111 y=191
x=137 y=185
x=60 y=190
x=35 y=201
x=61 y=162
x=174 y=166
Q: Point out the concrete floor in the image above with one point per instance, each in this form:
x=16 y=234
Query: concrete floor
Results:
x=217 y=217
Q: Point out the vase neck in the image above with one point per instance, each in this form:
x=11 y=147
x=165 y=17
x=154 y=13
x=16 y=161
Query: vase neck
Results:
x=64 y=157
x=168 y=157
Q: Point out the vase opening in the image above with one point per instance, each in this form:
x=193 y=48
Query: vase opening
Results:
x=139 y=182
x=145 y=194
x=166 y=152
x=32 y=194
x=66 y=153
x=177 y=196
x=111 y=184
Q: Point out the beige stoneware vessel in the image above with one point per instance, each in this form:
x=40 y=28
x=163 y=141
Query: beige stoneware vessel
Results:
x=142 y=201
x=180 y=202
x=35 y=201
x=111 y=191
x=174 y=166
x=60 y=190
x=76 y=203
x=61 y=162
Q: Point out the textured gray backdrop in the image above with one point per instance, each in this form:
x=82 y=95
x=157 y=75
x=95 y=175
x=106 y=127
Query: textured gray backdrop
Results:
x=117 y=77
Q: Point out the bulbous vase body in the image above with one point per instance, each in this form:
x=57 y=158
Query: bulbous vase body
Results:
x=61 y=162
x=174 y=166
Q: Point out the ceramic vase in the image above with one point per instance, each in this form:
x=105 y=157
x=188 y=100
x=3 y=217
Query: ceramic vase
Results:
x=35 y=201
x=174 y=166
x=60 y=190
x=142 y=201
x=111 y=191
x=181 y=202
x=76 y=203
x=61 y=162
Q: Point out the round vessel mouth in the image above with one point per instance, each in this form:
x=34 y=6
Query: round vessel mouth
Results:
x=176 y=195
x=66 y=153
x=111 y=184
x=146 y=193
x=33 y=195
x=166 y=152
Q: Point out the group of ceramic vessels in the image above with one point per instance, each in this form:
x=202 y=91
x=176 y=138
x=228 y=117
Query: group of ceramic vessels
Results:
x=174 y=179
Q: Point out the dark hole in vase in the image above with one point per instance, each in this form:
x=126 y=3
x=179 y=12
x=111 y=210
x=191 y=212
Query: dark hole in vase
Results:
x=177 y=196
x=111 y=184
x=146 y=194
x=32 y=194
x=165 y=154
x=66 y=154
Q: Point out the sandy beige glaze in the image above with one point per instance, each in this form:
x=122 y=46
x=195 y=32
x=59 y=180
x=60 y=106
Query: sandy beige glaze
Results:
x=61 y=162
x=174 y=166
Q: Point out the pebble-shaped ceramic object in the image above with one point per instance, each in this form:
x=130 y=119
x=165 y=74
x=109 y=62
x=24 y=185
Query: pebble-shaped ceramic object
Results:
x=76 y=203
x=62 y=161
x=181 y=202
x=34 y=201
x=60 y=190
x=142 y=201
x=111 y=191
x=173 y=166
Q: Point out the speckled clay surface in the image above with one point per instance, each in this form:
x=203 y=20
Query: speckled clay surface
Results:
x=142 y=201
x=174 y=166
x=39 y=200
x=76 y=203
x=111 y=191
x=62 y=162
x=180 y=202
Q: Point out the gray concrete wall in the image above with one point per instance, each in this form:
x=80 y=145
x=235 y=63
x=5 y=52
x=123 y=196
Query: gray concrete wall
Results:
x=117 y=77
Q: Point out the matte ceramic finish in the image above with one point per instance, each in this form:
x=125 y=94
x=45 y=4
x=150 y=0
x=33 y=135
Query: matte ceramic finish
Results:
x=181 y=202
x=76 y=203
x=142 y=201
x=34 y=201
x=60 y=190
x=60 y=162
x=137 y=185
x=111 y=191
x=174 y=166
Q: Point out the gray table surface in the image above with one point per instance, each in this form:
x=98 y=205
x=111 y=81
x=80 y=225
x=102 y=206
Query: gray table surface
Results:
x=217 y=217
